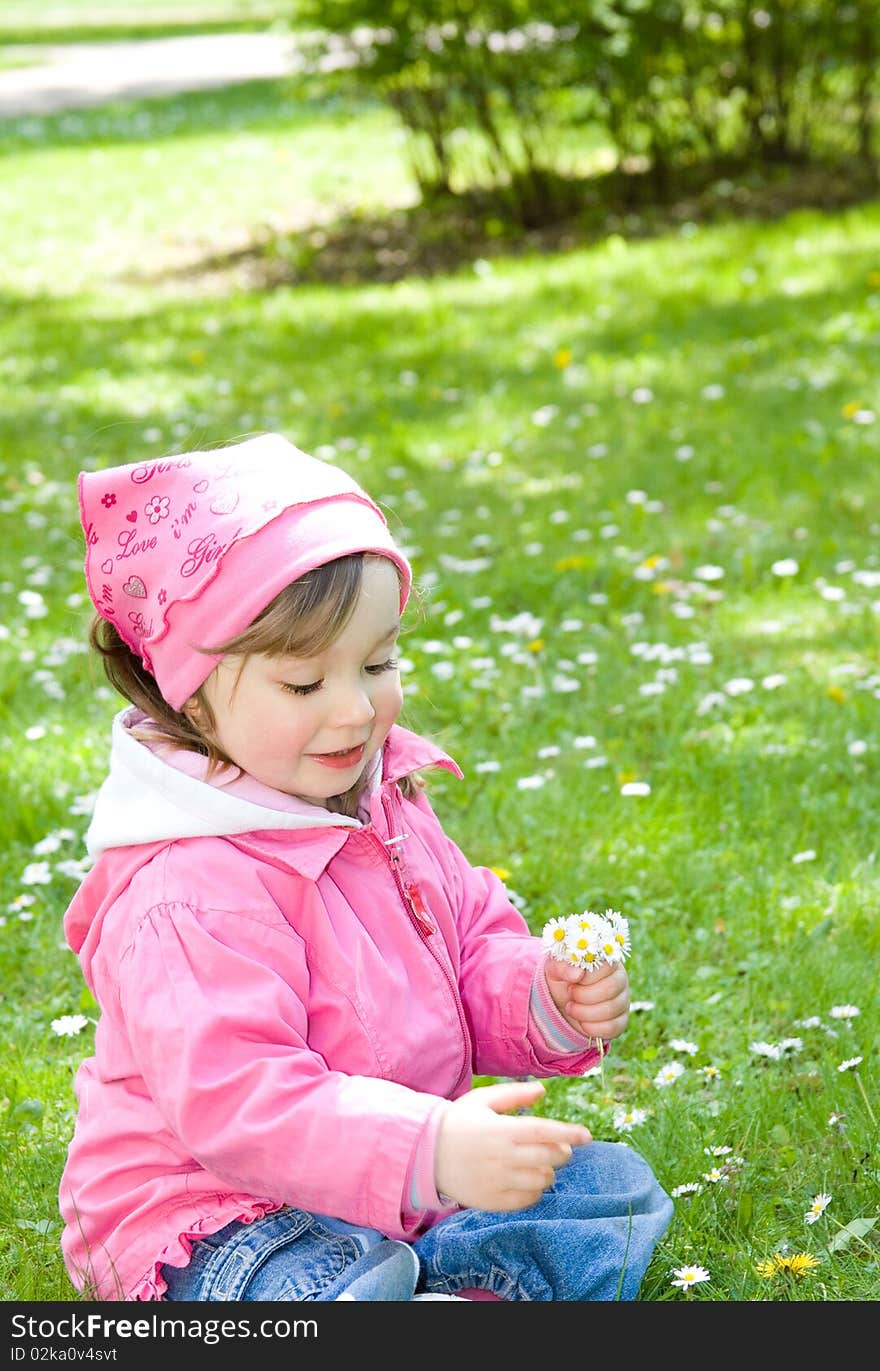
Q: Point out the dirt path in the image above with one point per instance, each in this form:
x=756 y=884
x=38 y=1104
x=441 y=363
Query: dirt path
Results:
x=94 y=73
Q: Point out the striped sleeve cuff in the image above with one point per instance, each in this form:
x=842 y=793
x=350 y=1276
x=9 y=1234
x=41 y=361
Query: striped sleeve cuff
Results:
x=547 y=1027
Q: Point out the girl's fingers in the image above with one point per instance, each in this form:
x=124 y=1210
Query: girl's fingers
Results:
x=553 y=1155
x=601 y=1028
x=612 y=1009
x=596 y=991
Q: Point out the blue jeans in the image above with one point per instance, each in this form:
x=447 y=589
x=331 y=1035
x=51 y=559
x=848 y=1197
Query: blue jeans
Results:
x=589 y=1237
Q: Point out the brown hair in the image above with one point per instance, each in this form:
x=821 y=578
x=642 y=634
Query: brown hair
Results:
x=302 y=620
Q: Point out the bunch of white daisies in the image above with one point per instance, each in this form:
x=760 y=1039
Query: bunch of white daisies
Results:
x=587 y=940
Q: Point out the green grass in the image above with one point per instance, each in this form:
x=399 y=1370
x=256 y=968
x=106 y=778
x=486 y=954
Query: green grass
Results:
x=564 y=445
x=82 y=21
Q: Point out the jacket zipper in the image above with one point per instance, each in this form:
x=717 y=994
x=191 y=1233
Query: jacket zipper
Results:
x=412 y=899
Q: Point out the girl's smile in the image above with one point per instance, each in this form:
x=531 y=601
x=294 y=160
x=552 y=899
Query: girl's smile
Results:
x=342 y=760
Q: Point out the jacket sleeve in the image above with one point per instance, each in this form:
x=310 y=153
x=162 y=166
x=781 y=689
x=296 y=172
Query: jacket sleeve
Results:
x=500 y=965
x=220 y=1039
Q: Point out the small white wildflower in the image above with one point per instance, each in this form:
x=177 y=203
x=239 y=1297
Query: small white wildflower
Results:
x=686 y=1277
x=627 y=1119
x=669 y=1073
x=740 y=685
x=849 y=1064
x=786 y=566
x=762 y=1049
x=689 y=1188
x=36 y=873
x=69 y=1025
x=844 y=1011
x=808 y=855
x=635 y=788
x=682 y=1045
x=817 y=1208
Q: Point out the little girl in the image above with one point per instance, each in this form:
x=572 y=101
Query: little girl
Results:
x=298 y=973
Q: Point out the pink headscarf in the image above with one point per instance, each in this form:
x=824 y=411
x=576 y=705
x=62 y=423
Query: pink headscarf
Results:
x=261 y=512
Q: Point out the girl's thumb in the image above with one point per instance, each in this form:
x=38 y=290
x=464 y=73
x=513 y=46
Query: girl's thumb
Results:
x=510 y=1095
x=561 y=971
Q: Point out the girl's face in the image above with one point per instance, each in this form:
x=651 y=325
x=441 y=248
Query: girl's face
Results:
x=310 y=726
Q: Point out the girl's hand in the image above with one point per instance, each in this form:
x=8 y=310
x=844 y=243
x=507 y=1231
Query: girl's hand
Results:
x=595 y=1003
x=485 y=1160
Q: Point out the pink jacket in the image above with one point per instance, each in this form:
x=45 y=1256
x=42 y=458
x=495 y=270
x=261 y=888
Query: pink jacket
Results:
x=285 y=1005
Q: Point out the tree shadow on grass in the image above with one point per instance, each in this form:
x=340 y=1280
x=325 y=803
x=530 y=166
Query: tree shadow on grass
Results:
x=451 y=233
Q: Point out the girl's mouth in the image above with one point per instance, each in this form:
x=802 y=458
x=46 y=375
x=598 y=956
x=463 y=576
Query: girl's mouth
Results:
x=340 y=760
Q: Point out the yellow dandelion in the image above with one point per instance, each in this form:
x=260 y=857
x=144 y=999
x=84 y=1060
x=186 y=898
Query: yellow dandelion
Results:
x=799 y=1264
x=502 y=873
x=197 y=357
x=562 y=358
x=570 y=563
x=536 y=645
x=836 y=693
x=624 y=777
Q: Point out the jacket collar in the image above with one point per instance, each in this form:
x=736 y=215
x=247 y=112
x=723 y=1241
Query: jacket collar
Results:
x=309 y=851
x=405 y=752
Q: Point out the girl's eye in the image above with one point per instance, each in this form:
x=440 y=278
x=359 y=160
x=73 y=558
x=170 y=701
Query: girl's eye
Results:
x=389 y=665
x=301 y=689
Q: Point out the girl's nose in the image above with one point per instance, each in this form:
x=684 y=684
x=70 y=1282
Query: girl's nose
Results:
x=356 y=707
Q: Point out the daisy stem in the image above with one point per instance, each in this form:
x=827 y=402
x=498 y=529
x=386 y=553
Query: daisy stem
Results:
x=865 y=1097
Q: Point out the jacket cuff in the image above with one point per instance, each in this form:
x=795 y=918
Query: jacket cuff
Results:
x=549 y=1030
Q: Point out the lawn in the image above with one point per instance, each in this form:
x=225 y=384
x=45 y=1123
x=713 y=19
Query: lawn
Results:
x=639 y=484
x=87 y=21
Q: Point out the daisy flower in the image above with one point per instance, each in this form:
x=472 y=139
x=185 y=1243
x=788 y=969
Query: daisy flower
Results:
x=716 y=1175
x=69 y=1025
x=709 y=1073
x=849 y=1064
x=627 y=1119
x=587 y=939
x=843 y=1011
x=762 y=1049
x=553 y=935
x=669 y=1073
x=686 y=1277
x=688 y=1188
x=817 y=1207
x=682 y=1045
